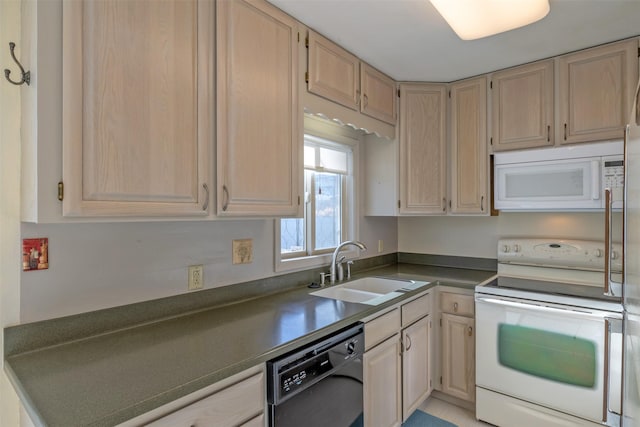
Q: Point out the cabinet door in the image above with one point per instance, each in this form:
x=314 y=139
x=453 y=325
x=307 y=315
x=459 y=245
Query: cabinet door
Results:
x=469 y=160
x=382 y=388
x=596 y=88
x=416 y=375
x=522 y=107
x=137 y=98
x=422 y=149
x=333 y=72
x=378 y=94
x=259 y=122
x=458 y=356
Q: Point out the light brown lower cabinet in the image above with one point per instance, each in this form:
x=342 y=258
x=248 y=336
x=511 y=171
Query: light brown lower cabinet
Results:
x=382 y=384
x=239 y=404
x=397 y=363
x=458 y=356
x=416 y=372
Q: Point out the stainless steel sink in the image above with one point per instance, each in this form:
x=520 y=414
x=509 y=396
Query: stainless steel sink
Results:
x=369 y=290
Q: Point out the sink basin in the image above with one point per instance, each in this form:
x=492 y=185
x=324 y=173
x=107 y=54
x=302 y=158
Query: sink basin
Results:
x=369 y=290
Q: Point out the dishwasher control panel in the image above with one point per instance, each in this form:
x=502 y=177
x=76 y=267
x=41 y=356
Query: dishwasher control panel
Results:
x=304 y=367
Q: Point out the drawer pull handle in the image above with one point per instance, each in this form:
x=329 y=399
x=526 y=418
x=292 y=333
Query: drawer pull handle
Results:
x=455 y=307
x=408 y=343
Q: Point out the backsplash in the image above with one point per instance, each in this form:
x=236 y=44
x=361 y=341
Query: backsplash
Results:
x=478 y=236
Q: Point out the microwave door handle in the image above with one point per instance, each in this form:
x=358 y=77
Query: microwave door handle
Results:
x=595 y=180
x=609 y=283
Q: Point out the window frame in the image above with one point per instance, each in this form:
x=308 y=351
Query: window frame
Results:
x=327 y=133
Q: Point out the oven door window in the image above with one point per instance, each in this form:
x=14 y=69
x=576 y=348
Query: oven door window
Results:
x=554 y=356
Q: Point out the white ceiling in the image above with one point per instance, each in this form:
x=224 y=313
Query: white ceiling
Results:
x=409 y=40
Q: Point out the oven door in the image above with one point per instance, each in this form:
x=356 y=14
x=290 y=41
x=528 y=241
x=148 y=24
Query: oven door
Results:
x=561 y=357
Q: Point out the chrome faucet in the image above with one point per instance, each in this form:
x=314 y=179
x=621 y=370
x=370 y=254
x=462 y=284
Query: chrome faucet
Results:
x=334 y=259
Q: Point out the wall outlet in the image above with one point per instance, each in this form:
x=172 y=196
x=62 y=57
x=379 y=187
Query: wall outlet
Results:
x=380 y=245
x=196 y=277
x=243 y=251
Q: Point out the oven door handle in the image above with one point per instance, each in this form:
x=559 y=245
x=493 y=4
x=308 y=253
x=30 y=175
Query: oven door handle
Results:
x=609 y=417
x=543 y=307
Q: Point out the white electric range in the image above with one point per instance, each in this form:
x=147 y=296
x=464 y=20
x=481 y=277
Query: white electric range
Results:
x=549 y=341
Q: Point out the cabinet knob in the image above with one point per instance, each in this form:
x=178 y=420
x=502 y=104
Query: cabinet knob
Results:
x=455 y=306
x=470 y=330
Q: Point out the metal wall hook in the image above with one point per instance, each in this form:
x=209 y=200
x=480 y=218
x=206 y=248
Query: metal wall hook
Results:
x=26 y=75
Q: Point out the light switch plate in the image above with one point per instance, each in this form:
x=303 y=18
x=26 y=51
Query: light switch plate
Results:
x=243 y=251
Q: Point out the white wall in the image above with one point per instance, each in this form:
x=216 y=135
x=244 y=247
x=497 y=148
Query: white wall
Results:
x=9 y=197
x=478 y=236
x=95 y=266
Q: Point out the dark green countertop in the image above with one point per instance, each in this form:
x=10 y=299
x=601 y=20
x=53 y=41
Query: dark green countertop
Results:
x=110 y=378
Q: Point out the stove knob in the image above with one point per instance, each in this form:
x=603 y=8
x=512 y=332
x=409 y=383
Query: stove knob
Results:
x=505 y=248
x=597 y=253
x=516 y=248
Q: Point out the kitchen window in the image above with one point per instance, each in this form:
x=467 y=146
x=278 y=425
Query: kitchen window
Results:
x=329 y=205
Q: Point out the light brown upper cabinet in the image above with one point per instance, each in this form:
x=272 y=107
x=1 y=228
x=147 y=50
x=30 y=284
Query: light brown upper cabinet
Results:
x=341 y=77
x=596 y=88
x=422 y=149
x=469 y=159
x=379 y=94
x=137 y=100
x=522 y=107
x=333 y=72
x=259 y=131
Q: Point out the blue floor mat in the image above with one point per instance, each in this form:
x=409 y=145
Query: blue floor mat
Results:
x=417 y=419
x=422 y=419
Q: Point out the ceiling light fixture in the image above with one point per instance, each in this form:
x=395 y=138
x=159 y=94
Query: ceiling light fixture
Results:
x=474 y=19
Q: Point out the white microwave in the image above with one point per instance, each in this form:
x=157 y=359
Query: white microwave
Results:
x=559 y=179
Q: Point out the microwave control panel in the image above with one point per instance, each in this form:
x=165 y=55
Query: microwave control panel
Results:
x=614 y=174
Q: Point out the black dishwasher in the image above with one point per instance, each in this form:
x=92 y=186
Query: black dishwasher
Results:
x=320 y=384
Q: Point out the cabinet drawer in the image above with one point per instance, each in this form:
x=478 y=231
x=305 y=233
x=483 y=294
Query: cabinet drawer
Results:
x=255 y=422
x=456 y=304
x=416 y=309
x=381 y=328
x=229 y=406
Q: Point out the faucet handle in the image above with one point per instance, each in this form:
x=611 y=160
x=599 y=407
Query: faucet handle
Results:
x=349 y=264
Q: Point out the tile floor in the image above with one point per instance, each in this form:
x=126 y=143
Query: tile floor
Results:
x=454 y=414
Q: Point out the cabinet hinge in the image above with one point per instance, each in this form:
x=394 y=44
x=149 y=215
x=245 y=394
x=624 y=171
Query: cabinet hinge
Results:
x=430 y=384
x=449 y=203
x=298 y=36
x=440 y=380
x=306 y=42
x=440 y=322
x=398 y=204
x=298 y=200
x=639 y=52
x=60 y=191
x=449 y=94
x=306 y=77
x=491 y=84
x=491 y=141
x=398 y=93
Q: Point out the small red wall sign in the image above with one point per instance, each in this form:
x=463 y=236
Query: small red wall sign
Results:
x=35 y=254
